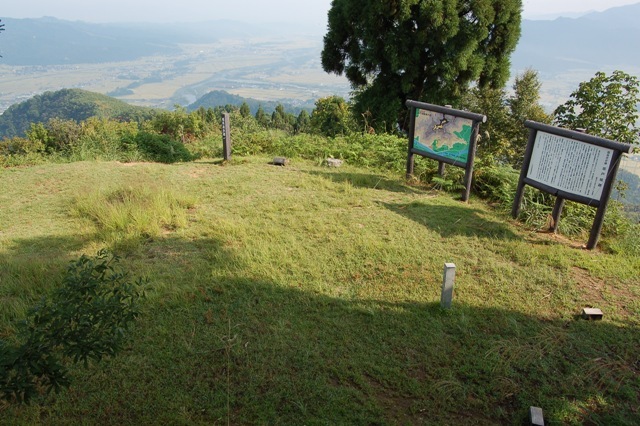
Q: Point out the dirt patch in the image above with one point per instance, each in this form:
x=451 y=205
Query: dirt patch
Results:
x=592 y=288
x=598 y=292
x=131 y=164
x=197 y=173
x=548 y=237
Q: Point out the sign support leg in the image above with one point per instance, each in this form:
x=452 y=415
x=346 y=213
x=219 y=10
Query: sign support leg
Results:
x=555 y=216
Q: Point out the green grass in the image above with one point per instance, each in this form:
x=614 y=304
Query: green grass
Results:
x=308 y=295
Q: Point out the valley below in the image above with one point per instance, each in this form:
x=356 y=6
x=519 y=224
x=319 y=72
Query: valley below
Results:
x=278 y=69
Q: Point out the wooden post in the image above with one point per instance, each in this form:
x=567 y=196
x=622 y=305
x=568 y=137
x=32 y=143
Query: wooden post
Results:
x=447 y=285
x=410 y=155
x=594 y=235
x=517 y=201
x=555 y=216
x=468 y=174
x=226 y=136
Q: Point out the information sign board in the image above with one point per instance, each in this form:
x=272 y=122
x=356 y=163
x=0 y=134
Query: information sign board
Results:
x=572 y=166
x=446 y=135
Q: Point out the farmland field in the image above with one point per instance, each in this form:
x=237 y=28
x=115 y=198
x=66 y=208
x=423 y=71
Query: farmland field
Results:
x=278 y=69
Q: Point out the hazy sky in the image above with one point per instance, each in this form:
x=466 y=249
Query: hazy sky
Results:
x=311 y=11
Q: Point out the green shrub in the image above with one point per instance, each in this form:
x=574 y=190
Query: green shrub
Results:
x=104 y=139
x=161 y=148
x=85 y=319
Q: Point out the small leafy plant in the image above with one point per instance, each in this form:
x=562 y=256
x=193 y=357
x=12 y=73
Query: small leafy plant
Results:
x=85 y=319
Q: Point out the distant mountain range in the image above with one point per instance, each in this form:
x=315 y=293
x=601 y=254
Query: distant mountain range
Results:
x=609 y=39
x=220 y=98
x=79 y=105
x=597 y=41
x=51 y=41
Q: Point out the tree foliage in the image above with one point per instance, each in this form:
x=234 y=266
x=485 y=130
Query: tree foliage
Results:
x=504 y=137
x=245 y=111
x=332 y=116
x=262 y=117
x=606 y=106
x=429 y=50
x=523 y=105
x=85 y=319
x=303 y=122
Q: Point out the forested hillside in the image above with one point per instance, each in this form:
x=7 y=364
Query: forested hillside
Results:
x=220 y=98
x=66 y=104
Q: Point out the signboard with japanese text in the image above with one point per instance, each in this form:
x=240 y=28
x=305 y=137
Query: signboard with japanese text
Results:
x=572 y=166
x=569 y=165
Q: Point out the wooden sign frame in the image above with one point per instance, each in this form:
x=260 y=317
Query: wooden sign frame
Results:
x=572 y=166
x=448 y=115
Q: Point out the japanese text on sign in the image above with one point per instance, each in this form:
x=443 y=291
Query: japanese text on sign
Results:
x=569 y=165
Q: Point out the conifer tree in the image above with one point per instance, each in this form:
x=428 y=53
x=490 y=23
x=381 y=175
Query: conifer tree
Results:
x=428 y=50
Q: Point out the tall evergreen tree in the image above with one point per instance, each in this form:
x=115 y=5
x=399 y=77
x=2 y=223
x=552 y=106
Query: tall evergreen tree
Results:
x=303 y=122
x=430 y=50
x=262 y=117
x=245 y=111
x=503 y=137
x=524 y=105
x=332 y=116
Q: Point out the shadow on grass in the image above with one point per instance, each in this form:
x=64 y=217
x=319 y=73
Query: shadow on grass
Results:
x=282 y=355
x=370 y=181
x=450 y=220
x=30 y=268
x=234 y=347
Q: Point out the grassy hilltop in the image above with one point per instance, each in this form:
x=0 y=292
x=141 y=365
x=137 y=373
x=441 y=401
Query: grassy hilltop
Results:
x=308 y=295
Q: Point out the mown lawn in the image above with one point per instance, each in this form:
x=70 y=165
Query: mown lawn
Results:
x=309 y=295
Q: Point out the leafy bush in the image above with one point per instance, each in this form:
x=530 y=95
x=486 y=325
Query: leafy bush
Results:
x=21 y=151
x=85 y=319
x=161 y=148
x=105 y=139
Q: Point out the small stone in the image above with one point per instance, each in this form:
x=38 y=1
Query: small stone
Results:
x=592 y=314
x=334 y=162
x=280 y=161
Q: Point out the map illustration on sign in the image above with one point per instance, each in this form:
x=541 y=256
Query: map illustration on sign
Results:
x=443 y=135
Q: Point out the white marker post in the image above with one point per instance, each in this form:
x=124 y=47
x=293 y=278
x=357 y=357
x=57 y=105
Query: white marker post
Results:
x=447 y=285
